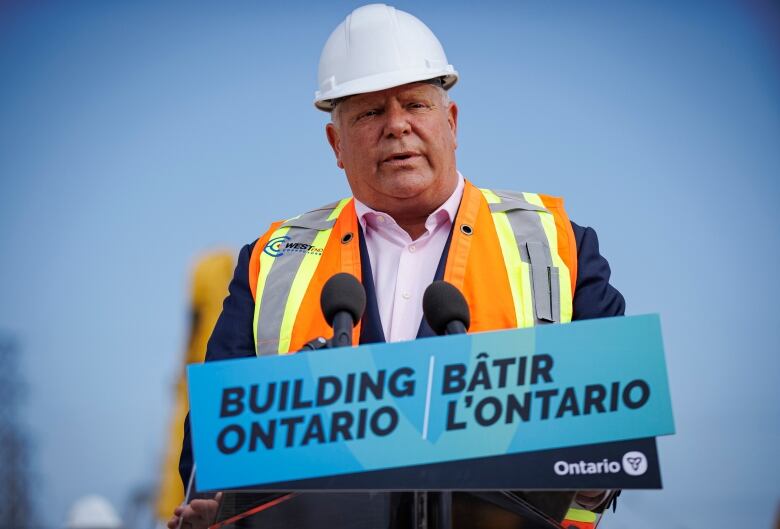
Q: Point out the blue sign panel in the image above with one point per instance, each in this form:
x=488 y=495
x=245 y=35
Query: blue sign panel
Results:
x=329 y=412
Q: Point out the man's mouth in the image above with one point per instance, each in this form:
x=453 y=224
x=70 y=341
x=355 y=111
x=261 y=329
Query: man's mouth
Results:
x=400 y=158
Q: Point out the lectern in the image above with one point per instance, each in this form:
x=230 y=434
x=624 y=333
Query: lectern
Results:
x=494 y=430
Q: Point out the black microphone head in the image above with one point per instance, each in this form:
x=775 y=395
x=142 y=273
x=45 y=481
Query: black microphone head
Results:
x=444 y=303
x=343 y=292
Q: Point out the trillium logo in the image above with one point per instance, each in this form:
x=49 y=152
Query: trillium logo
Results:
x=634 y=463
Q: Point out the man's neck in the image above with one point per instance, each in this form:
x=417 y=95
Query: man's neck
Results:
x=414 y=226
x=412 y=218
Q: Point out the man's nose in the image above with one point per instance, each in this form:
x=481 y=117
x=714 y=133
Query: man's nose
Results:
x=397 y=122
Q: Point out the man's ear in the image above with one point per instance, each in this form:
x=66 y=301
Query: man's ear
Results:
x=452 y=119
x=335 y=142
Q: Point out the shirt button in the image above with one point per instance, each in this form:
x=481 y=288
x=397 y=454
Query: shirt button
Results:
x=380 y=218
x=406 y=295
x=412 y=248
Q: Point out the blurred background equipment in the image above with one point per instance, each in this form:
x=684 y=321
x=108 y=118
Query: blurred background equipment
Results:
x=208 y=290
x=93 y=512
x=16 y=507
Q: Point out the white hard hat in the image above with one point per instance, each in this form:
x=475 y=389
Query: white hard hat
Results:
x=93 y=512
x=379 y=47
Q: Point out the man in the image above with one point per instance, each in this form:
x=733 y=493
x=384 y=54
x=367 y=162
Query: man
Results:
x=516 y=257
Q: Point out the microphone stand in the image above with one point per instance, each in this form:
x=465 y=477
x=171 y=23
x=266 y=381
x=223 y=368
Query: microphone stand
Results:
x=342 y=330
x=313 y=345
x=342 y=334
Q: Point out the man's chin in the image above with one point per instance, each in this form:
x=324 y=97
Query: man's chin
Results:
x=405 y=184
x=407 y=193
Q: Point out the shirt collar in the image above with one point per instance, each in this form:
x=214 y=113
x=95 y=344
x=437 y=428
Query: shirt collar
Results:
x=446 y=211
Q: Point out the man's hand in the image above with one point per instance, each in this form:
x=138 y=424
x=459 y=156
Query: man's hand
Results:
x=199 y=514
x=591 y=499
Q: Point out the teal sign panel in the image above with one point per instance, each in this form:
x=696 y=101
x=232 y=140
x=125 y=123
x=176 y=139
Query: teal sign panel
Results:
x=339 y=411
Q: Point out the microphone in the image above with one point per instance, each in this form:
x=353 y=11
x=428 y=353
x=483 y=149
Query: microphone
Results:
x=445 y=309
x=343 y=301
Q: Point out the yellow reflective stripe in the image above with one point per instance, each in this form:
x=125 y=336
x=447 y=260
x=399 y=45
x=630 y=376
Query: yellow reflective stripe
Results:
x=564 y=279
x=265 y=267
x=517 y=271
x=298 y=289
x=337 y=210
x=301 y=282
x=581 y=515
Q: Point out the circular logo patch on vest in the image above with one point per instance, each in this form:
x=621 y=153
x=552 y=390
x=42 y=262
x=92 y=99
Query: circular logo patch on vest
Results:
x=275 y=246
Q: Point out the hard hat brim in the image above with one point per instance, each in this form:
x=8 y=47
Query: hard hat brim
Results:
x=325 y=101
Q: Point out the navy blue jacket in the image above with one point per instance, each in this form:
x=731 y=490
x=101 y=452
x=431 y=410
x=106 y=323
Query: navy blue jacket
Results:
x=233 y=336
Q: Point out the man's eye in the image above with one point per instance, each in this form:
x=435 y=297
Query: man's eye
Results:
x=417 y=105
x=368 y=114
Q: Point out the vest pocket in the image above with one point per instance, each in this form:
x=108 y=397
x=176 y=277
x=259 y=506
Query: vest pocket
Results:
x=545 y=283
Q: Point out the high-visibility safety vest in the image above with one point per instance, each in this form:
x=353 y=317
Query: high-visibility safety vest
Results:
x=525 y=235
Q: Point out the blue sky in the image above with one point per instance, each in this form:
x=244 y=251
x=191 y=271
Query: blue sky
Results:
x=134 y=136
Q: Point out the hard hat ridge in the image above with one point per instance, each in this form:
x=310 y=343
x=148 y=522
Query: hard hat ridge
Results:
x=378 y=47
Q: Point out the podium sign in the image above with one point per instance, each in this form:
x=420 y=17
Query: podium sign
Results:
x=352 y=410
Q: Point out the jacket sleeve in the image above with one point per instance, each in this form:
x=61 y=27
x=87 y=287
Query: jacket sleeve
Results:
x=594 y=296
x=232 y=338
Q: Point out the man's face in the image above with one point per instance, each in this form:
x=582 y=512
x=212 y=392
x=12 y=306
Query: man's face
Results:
x=397 y=147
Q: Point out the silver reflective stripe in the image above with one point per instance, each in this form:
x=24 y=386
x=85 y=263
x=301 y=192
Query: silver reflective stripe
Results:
x=278 y=284
x=511 y=200
x=531 y=237
x=313 y=220
x=555 y=293
x=544 y=279
x=277 y=288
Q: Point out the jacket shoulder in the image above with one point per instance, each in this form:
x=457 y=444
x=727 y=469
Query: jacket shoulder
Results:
x=319 y=219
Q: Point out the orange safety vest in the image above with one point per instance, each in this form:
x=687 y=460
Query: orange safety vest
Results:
x=525 y=235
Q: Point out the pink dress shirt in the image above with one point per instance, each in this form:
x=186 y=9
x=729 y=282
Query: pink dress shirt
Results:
x=404 y=268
